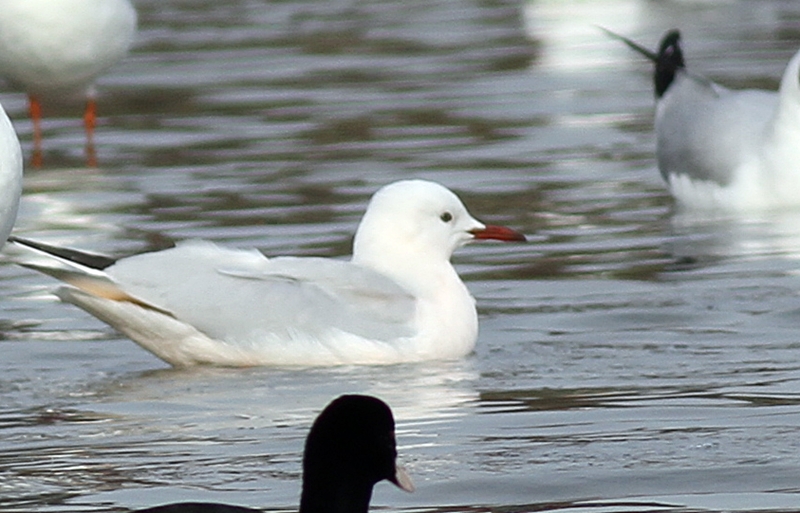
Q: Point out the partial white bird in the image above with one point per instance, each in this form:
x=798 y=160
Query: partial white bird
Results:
x=722 y=149
x=10 y=175
x=398 y=299
x=55 y=49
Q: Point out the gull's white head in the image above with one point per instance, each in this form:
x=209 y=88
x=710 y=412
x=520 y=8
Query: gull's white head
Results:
x=418 y=222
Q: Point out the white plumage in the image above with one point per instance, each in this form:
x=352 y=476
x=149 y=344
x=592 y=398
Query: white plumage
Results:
x=55 y=49
x=398 y=299
x=10 y=175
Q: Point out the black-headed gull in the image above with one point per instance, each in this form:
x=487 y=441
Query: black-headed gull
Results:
x=723 y=149
x=57 y=48
x=10 y=175
x=351 y=447
x=398 y=299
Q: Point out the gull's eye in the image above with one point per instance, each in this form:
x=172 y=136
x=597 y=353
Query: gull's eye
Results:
x=446 y=217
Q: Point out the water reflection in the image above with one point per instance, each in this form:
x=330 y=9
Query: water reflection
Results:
x=765 y=236
x=415 y=391
x=188 y=421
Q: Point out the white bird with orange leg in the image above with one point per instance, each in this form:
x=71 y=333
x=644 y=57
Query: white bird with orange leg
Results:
x=723 y=149
x=55 y=49
x=398 y=299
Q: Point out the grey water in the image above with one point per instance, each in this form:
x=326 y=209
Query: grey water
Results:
x=631 y=358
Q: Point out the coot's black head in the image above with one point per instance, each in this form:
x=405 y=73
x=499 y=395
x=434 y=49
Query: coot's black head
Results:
x=670 y=60
x=350 y=448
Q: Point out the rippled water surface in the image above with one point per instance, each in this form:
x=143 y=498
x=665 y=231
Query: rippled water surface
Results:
x=630 y=358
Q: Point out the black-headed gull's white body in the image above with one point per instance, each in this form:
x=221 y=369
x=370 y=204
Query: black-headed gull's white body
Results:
x=57 y=48
x=723 y=149
x=398 y=299
x=10 y=175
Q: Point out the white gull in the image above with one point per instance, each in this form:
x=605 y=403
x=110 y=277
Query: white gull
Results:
x=398 y=299
x=55 y=49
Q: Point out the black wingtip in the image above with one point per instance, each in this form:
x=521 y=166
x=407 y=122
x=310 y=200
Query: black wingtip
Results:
x=633 y=45
x=669 y=61
x=92 y=260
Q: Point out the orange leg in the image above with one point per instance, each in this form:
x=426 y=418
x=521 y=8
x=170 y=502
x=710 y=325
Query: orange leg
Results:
x=90 y=121
x=35 y=112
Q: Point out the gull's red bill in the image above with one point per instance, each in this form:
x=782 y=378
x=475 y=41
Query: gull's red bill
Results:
x=494 y=232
